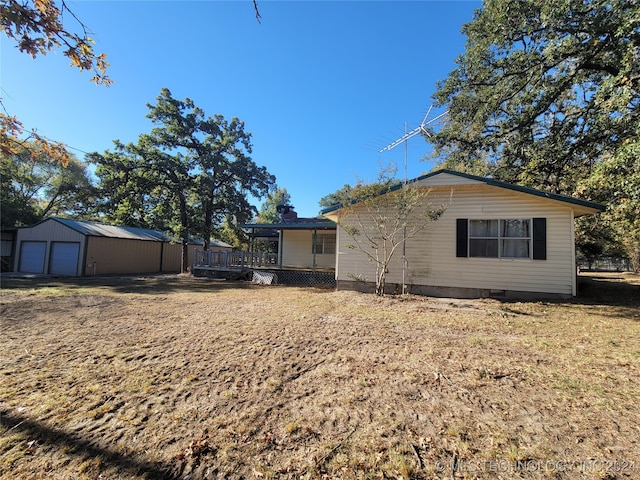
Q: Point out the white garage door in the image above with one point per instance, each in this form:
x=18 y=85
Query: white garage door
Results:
x=32 y=257
x=64 y=258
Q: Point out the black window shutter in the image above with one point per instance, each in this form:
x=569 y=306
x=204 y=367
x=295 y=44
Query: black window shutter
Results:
x=539 y=238
x=462 y=234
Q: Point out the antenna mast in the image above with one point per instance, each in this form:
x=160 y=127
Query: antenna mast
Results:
x=405 y=138
x=407 y=135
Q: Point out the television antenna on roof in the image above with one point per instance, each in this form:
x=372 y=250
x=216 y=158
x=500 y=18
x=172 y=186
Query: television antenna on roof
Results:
x=407 y=135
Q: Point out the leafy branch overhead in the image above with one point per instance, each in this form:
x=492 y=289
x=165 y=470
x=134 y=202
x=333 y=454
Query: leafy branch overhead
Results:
x=37 y=27
x=16 y=140
x=543 y=89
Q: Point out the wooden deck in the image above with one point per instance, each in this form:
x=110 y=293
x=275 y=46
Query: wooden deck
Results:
x=243 y=265
x=233 y=261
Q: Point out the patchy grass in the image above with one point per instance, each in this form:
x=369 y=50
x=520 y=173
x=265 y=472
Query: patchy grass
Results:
x=177 y=377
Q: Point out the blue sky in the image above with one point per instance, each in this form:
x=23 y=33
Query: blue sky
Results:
x=321 y=85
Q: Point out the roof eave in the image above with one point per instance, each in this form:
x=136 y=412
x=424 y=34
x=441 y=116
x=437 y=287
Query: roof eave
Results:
x=330 y=225
x=589 y=207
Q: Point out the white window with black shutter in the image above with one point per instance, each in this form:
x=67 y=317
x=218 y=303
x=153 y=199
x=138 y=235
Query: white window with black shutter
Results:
x=502 y=238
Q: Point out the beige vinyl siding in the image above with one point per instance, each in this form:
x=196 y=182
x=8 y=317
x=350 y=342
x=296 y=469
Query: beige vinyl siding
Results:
x=116 y=255
x=297 y=252
x=446 y=179
x=432 y=254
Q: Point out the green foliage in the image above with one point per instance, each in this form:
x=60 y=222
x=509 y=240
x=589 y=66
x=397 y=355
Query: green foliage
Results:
x=335 y=198
x=616 y=180
x=189 y=174
x=133 y=193
x=544 y=89
x=268 y=212
x=35 y=186
x=230 y=233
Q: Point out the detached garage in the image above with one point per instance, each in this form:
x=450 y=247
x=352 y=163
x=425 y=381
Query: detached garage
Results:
x=59 y=246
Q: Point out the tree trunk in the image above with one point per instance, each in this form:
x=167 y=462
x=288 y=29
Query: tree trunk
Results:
x=206 y=231
x=184 y=232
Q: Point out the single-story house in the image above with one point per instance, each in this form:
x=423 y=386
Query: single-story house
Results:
x=493 y=239
x=60 y=246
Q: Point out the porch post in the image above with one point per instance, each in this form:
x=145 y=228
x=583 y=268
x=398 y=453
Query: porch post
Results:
x=314 y=246
x=252 y=244
x=280 y=241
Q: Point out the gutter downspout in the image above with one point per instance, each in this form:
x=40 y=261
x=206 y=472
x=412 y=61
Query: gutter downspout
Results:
x=83 y=269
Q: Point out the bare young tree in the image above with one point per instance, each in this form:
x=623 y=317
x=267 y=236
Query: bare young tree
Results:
x=380 y=217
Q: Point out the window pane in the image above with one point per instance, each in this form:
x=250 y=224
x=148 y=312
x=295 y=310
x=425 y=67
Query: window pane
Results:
x=483 y=248
x=515 y=248
x=515 y=228
x=483 y=228
x=329 y=244
x=325 y=244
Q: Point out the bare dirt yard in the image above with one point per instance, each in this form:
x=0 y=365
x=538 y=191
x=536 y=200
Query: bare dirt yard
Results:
x=178 y=377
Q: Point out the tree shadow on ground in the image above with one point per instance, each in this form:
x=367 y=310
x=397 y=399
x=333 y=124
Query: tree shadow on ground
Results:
x=73 y=445
x=149 y=284
x=618 y=290
x=139 y=284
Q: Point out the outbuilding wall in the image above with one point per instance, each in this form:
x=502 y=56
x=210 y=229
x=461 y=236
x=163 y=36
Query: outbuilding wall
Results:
x=112 y=255
x=47 y=233
x=107 y=256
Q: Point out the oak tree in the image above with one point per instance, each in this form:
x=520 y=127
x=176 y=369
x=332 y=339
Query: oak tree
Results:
x=36 y=186
x=544 y=89
x=616 y=181
x=191 y=172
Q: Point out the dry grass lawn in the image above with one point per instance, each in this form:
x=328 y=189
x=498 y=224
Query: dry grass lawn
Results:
x=177 y=377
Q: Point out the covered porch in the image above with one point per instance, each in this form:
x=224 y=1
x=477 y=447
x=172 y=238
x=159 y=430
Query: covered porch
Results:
x=297 y=243
x=298 y=251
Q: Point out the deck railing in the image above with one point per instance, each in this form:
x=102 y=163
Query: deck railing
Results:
x=233 y=260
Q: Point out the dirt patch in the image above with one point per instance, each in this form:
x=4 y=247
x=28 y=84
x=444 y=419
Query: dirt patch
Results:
x=176 y=377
